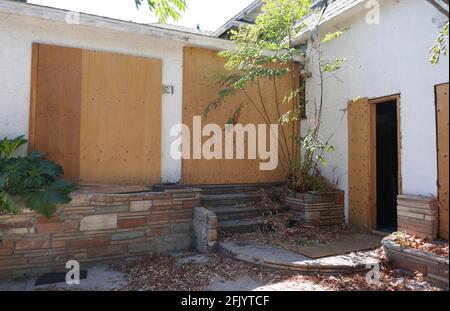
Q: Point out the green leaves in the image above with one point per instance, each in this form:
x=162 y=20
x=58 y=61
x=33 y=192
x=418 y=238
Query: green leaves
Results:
x=9 y=146
x=7 y=204
x=165 y=9
x=32 y=176
x=44 y=200
x=440 y=45
x=331 y=66
x=333 y=35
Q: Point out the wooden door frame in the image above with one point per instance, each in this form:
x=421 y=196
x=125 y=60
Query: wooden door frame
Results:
x=442 y=233
x=33 y=97
x=373 y=152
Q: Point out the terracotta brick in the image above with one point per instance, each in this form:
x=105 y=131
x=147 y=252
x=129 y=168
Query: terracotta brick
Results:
x=7 y=243
x=40 y=260
x=58 y=244
x=191 y=203
x=186 y=214
x=157 y=196
x=159 y=231
x=162 y=202
x=411 y=215
x=6 y=251
x=132 y=223
x=71 y=226
x=88 y=242
x=12 y=261
x=57 y=227
x=107 y=251
x=25 y=244
x=45 y=220
x=160 y=217
x=101 y=198
x=16 y=224
x=164 y=208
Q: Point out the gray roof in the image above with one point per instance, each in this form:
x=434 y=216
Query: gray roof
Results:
x=245 y=17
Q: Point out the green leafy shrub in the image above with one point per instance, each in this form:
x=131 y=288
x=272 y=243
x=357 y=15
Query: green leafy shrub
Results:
x=37 y=179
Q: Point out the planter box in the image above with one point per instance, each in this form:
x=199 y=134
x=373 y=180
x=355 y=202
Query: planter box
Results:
x=318 y=208
x=433 y=267
x=97 y=228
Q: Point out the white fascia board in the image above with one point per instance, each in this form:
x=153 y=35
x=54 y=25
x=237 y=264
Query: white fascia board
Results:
x=60 y=15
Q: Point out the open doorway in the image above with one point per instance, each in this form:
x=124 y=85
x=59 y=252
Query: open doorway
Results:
x=387 y=164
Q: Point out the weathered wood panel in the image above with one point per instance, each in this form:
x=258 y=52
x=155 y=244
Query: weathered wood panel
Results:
x=442 y=103
x=199 y=66
x=120 y=119
x=97 y=114
x=55 y=105
x=360 y=165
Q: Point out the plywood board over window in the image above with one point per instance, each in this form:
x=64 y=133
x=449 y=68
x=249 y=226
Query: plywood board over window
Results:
x=200 y=65
x=442 y=114
x=97 y=114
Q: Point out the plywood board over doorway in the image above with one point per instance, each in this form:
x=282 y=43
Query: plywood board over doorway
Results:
x=360 y=155
x=200 y=66
x=362 y=159
x=442 y=115
x=97 y=114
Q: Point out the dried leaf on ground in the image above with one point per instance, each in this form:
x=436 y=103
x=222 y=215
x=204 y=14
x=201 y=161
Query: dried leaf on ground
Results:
x=406 y=240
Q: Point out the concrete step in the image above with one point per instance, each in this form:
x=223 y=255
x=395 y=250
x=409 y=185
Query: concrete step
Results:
x=235 y=213
x=238 y=226
x=213 y=200
x=236 y=188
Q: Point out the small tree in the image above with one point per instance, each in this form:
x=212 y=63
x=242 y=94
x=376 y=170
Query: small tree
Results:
x=266 y=51
x=440 y=45
x=165 y=9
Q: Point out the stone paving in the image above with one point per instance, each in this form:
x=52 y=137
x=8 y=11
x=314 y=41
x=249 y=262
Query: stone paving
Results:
x=272 y=256
x=102 y=277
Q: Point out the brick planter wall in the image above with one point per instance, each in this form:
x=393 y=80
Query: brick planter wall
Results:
x=418 y=215
x=97 y=227
x=319 y=209
x=433 y=267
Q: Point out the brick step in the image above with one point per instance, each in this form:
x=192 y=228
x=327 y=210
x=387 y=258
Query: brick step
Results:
x=235 y=213
x=238 y=226
x=216 y=200
x=235 y=188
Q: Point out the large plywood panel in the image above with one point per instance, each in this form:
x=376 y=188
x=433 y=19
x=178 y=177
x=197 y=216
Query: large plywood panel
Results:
x=442 y=103
x=120 y=119
x=199 y=66
x=55 y=105
x=360 y=155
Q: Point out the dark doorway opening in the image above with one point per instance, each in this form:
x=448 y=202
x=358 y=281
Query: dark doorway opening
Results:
x=387 y=165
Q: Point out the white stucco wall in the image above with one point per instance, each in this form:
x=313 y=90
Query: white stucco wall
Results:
x=17 y=33
x=385 y=59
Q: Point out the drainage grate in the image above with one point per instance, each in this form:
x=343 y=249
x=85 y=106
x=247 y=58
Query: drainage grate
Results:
x=56 y=277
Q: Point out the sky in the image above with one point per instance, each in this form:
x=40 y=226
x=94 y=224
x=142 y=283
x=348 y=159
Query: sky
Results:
x=210 y=14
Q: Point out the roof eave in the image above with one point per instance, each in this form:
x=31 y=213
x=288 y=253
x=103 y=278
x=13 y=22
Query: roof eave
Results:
x=60 y=15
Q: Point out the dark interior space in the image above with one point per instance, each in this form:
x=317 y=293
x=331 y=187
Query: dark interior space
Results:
x=387 y=166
